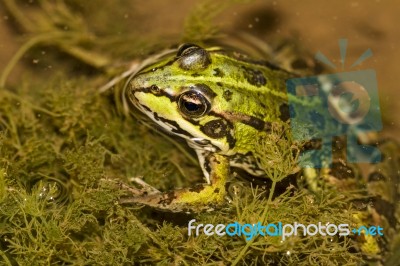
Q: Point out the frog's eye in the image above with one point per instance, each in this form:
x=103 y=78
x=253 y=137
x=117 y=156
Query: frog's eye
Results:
x=193 y=104
x=186 y=48
x=192 y=57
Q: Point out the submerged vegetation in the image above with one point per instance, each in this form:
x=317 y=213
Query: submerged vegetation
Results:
x=68 y=152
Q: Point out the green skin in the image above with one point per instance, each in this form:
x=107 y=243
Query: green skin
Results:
x=241 y=100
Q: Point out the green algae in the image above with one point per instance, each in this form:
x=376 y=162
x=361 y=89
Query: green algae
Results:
x=67 y=152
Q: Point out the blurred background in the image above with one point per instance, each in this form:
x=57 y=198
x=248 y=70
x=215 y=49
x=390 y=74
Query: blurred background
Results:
x=317 y=25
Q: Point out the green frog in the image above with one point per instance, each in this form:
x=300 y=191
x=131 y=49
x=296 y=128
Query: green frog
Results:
x=221 y=102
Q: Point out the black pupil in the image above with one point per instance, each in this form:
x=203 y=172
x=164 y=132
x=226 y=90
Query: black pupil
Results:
x=192 y=107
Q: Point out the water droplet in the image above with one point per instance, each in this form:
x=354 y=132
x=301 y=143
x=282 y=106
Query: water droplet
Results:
x=35 y=61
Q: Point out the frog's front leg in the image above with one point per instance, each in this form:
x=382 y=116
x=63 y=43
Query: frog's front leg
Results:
x=197 y=198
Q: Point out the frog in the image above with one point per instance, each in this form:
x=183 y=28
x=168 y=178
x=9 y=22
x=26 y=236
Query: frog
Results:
x=218 y=100
x=221 y=101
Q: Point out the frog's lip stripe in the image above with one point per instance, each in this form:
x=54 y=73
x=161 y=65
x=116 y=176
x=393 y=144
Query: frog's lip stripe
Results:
x=172 y=123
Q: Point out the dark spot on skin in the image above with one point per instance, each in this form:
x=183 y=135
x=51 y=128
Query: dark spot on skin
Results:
x=263 y=105
x=216 y=191
x=254 y=76
x=255 y=122
x=231 y=141
x=219 y=84
x=252 y=121
x=227 y=95
x=284 y=112
x=376 y=176
x=219 y=128
x=215 y=128
x=218 y=73
x=195 y=75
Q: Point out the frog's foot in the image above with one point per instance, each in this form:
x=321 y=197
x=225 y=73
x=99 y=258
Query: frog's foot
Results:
x=198 y=198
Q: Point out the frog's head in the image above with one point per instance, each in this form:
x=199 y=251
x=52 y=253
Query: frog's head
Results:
x=198 y=94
